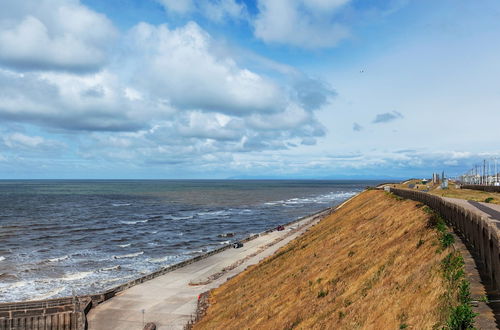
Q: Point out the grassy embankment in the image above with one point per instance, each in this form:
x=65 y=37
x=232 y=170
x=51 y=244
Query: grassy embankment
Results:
x=378 y=262
x=452 y=191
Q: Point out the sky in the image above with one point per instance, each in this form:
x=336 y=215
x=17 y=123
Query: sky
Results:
x=216 y=89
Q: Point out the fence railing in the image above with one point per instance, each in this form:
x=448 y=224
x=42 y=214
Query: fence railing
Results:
x=480 y=232
x=481 y=187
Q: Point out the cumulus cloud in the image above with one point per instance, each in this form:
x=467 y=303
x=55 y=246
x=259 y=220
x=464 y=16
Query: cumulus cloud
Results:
x=180 y=66
x=18 y=141
x=91 y=102
x=302 y=23
x=53 y=35
x=387 y=117
x=173 y=95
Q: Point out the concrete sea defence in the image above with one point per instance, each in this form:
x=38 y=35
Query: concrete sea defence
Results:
x=57 y=314
x=481 y=233
x=70 y=312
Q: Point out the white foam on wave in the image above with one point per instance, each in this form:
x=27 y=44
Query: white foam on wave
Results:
x=14 y=285
x=181 y=217
x=2 y=258
x=225 y=242
x=107 y=269
x=121 y=204
x=134 y=222
x=130 y=255
x=75 y=276
x=162 y=259
x=59 y=258
x=50 y=294
x=124 y=245
x=214 y=213
x=325 y=198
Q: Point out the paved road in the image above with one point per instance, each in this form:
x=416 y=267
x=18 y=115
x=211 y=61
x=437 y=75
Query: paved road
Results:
x=491 y=211
x=169 y=300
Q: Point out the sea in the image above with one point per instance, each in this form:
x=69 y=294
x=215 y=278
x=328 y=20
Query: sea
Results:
x=73 y=237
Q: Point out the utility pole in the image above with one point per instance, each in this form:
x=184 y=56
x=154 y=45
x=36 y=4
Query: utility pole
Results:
x=496 y=171
x=475 y=175
x=484 y=171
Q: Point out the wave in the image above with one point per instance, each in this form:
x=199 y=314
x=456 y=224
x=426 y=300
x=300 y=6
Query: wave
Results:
x=194 y=252
x=50 y=293
x=134 y=222
x=163 y=259
x=121 y=204
x=187 y=217
x=124 y=245
x=130 y=255
x=75 y=276
x=107 y=269
x=58 y=259
x=2 y=258
x=226 y=235
x=225 y=242
x=15 y=285
x=214 y=213
x=7 y=276
x=322 y=199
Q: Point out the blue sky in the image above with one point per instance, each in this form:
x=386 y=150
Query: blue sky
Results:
x=252 y=89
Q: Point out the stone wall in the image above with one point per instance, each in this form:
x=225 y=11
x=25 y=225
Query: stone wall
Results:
x=481 y=233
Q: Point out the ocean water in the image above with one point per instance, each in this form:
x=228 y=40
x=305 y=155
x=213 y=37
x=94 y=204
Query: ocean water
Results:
x=63 y=237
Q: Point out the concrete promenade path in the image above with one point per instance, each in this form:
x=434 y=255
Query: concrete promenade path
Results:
x=491 y=211
x=169 y=300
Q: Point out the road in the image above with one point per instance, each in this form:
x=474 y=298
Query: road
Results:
x=169 y=300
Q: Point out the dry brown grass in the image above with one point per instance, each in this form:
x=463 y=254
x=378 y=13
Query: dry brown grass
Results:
x=372 y=265
x=469 y=194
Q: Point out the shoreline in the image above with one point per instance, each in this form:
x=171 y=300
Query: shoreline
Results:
x=169 y=267
x=172 y=299
x=85 y=303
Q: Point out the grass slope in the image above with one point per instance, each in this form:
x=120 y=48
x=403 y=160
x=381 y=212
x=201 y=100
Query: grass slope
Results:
x=371 y=264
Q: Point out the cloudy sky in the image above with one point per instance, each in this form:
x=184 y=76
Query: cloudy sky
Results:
x=247 y=88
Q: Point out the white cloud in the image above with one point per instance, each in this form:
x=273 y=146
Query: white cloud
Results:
x=301 y=23
x=180 y=66
x=19 y=141
x=62 y=100
x=223 y=9
x=54 y=35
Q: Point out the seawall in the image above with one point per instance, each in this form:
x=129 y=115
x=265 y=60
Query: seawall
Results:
x=69 y=313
